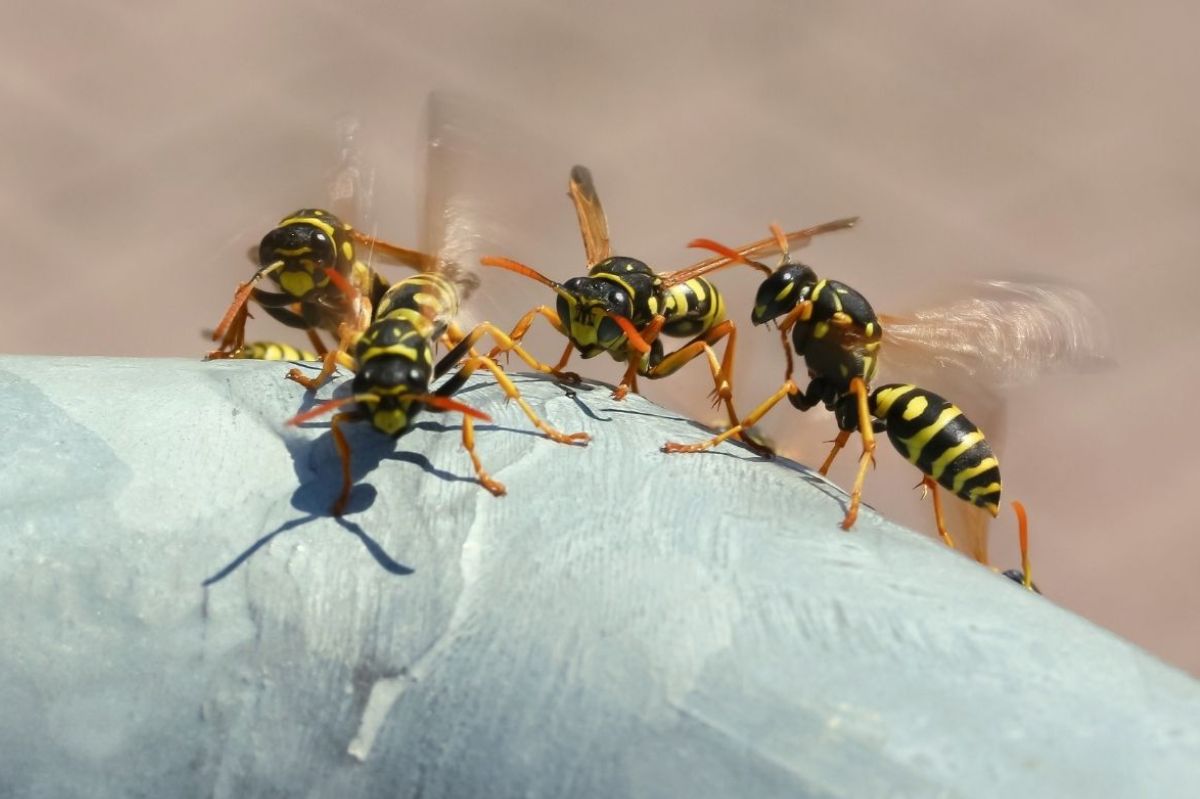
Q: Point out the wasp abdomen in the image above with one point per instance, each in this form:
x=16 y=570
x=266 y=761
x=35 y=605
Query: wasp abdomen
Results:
x=936 y=437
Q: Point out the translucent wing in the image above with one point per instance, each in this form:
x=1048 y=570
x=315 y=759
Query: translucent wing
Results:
x=476 y=187
x=593 y=224
x=758 y=249
x=352 y=181
x=1003 y=334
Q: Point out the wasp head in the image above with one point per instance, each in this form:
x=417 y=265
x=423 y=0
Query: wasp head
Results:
x=782 y=291
x=584 y=305
x=385 y=385
x=302 y=247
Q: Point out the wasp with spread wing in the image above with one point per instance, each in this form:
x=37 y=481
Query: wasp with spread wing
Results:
x=622 y=306
x=393 y=359
x=1015 y=333
x=299 y=254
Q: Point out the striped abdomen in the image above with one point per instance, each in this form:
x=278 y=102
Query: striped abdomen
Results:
x=692 y=307
x=938 y=439
x=274 y=351
x=428 y=300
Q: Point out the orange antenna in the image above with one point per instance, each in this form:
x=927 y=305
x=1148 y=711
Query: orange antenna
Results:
x=527 y=271
x=781 y=239
x=631 y=332
x=321 y=410
x=731 y=254
x=441 y=403
x=343 y=285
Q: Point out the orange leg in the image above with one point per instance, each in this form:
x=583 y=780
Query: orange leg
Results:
x=938 y=517
x=343 y=449
x=231 y=330
x=787 y=388
x=838 y=443
x=486 y=480
x=634 y=360
x=1023 y=537
x=859 y=389
x=314 y=338
x=511 y=391
x=517 y=334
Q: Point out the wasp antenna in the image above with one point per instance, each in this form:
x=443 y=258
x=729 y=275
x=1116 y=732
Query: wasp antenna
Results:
x=527 y=271
x=320 y=410
x=780 y=239
x=343 y=285
x=1023 y=537
x=631 y=332
x=727 y=252
x=446 y=404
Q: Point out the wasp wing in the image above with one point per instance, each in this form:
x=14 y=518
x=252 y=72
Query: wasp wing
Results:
x=593 y=224
x=757 y=249
x=1002 y=334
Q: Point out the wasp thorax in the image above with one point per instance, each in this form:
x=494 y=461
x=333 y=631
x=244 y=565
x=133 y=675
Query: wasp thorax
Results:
x=782 y=291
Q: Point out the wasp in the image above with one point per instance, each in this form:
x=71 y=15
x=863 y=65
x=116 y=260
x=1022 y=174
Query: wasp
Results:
x=622 y=307
x=839 y=336
x=301 y=254
x=273 y=351
x=394 y=366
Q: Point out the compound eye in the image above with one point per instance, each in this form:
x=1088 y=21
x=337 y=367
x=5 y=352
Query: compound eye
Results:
x=564 y=310
x=620 y=301
x=608 y=330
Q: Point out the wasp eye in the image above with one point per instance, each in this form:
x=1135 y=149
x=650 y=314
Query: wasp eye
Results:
x=608 y=330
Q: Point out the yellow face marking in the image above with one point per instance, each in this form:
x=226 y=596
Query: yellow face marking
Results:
x=293 y=253
x=926 y=434
x=962 y=477
x=786 y=290
x=915 y=407
x=947 y=457
x=296 y=283
x=390 y=421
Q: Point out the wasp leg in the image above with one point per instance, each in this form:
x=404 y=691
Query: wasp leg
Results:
x=938 y=517
x=865 y=429
x=722 y=372
x=343 y=449
x=786 y=389
x=504 y=344
x=231 y=330
x=330 y=362
x=517 y=334
x=648 y=335
x=486 y=480
x=314 y=338
x=838 y=443
x=510 y=390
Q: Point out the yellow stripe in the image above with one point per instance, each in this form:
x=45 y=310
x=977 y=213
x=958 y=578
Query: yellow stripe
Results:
x=401 y=350
x=969 y=440
x=886 y=397
x=962 y=477
x=915 y=407
x=787 y=289
x=315 y=221
x=926 y=434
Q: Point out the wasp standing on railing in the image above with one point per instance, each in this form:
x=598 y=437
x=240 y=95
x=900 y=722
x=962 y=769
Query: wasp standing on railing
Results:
x=301 y=254
x=622 y=307
x=839 y=336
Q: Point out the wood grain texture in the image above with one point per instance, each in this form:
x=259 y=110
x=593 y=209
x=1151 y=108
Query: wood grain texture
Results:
x=623 y=623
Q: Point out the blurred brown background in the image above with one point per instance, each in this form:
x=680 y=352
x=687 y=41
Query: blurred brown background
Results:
x=146 y=146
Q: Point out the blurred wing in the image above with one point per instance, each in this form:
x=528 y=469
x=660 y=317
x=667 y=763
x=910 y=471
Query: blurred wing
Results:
x=1004 y=334
x=352 y=182
x=482 y=187
x=592 y=222
x=758 y=249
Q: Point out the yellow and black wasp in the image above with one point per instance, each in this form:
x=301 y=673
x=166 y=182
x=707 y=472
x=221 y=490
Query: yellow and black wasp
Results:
x=839 y=336
x=622 y=306
x=393 y=357
x=302 y=254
